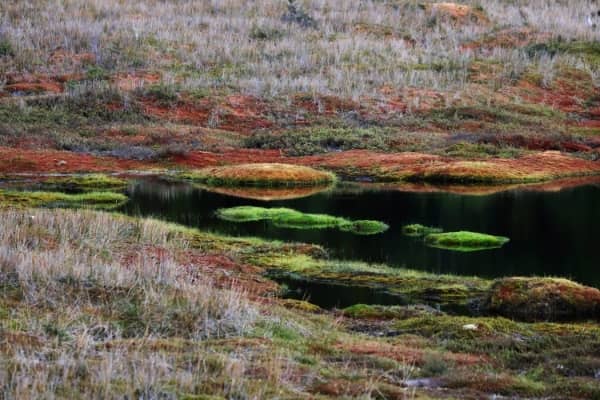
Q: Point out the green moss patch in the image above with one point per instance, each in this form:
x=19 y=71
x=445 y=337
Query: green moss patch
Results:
x=89 y=182
x=97 y=200
x=408 y=286
x=418 y=230
x=288 y=218
x=465 y=241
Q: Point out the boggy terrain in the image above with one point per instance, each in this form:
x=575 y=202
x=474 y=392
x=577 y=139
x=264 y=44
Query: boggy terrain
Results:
x=490 y=92
x=102 y=305
x=413 y=94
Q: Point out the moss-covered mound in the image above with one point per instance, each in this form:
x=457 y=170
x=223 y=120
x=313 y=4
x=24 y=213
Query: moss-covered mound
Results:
x=543 y=299
x=97 y=200
x=261 y=174
x=418 y=230
x=88 y=182
x=288 y=218
x=465 y=241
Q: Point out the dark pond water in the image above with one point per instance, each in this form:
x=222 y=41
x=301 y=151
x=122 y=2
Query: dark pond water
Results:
x=552 y=233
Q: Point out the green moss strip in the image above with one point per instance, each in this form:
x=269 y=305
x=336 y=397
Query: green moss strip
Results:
x=288 y=218
x=465 y=241
x=97 y=200
x=418 y=230
x=89 y=182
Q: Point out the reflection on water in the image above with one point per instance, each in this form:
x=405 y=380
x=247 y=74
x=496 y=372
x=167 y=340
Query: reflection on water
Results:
x=552 y=233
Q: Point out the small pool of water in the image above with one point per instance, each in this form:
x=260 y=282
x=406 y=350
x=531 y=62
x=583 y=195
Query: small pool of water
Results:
x=552 y=233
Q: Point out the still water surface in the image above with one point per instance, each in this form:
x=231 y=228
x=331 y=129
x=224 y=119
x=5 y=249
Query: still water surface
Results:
x=552 y=233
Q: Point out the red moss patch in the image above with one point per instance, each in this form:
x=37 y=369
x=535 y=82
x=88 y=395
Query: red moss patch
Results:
x=242 y=114
x=46 y=161
x=406 y=354
x=543 y=298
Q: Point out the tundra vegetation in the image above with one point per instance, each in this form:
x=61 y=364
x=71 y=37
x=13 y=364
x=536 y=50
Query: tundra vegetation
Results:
x=98 y=305
x=102 y=305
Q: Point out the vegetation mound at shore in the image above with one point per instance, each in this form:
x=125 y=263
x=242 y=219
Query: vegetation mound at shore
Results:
x=418 y=230
x=88 y=182
x=465 y=241
x=96 y=200
x=288 y=218
x=260 y=174
x=543 y=299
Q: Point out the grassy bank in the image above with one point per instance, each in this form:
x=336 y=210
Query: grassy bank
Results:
x=130 y=303
x=98 y=200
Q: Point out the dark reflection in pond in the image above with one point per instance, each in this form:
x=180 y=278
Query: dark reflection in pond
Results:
x=552 y=233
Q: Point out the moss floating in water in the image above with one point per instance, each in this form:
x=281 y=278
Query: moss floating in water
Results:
x=465 y=241
x=418 y=230
x=288 y=218
x=96 y=200
x=364 y=227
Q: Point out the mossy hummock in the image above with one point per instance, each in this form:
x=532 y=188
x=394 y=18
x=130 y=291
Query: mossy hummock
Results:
x=465 y=241
x=543 y=299
x=260 y=174
x=88 y=182
x=96 y=200
x=288 y=218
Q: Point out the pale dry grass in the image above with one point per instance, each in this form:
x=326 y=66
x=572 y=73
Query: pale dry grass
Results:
x=85 y=322
x=356 y=48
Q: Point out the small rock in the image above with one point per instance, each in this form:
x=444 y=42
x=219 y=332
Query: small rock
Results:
x=470 y=327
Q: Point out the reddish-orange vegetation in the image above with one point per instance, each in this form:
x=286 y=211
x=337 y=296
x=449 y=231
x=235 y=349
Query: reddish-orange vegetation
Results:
x=355 y=163
x=549 y=186
x=543 y=298
x=568 y=92
x=406 y=353
x=46 y=161
x=237 y=113
x=457 y=13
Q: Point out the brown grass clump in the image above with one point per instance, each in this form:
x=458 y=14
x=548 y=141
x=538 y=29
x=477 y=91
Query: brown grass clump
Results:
x=543 y=299
x=261 y=174
x=458 y=13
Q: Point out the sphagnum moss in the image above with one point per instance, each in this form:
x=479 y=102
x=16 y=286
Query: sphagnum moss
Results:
x=87 y=182
x=100 y=200
x=465 y=241
x=289 y=218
